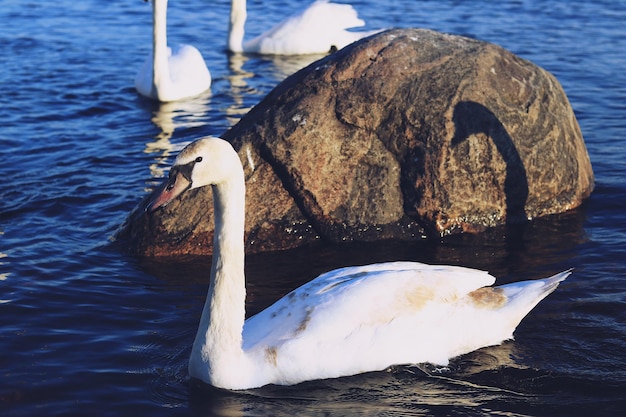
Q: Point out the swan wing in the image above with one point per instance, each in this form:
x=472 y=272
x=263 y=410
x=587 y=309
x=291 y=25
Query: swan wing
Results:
x=336 y=303
x=187 y=61
x=188 y=71
x=143 y=78
x=361 y=319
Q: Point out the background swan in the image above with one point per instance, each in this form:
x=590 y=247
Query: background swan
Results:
x=344 y=322
x=316 y=30
x=170 y=74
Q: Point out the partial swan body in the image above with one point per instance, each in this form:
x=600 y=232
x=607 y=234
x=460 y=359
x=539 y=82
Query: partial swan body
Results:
x=170 y=74
x=344 y=322
x=318 y=29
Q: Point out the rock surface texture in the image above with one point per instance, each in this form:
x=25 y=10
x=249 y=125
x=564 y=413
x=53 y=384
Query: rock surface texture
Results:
x=405 y=133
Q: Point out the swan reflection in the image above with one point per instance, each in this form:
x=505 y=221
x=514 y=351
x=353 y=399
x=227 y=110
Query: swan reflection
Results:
x=239 y=88
x=285 y=65
x=461 y=386
x=3 y=275
x=169 y=117
x=241 y=77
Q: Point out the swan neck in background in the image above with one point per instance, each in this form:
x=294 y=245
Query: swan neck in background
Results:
x=238 y=16
x=160 y=54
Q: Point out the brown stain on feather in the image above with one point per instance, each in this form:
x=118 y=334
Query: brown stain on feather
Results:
x=408 y=301
x=488 y=297
x=416 y=298
x=271 y=355
x=305 y=322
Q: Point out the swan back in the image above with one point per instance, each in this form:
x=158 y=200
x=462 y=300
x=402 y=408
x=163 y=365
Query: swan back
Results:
x=317 y=29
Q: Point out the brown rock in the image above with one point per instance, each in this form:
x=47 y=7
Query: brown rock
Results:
x=407 y=132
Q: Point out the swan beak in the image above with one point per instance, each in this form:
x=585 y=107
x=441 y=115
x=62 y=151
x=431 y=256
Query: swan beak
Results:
x=175 y=186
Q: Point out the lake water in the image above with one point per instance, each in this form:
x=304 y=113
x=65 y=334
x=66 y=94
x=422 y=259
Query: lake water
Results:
x=88 y=329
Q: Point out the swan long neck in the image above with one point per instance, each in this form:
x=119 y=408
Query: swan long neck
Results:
x=218 y=345
x=238 y=15
x=160 y=53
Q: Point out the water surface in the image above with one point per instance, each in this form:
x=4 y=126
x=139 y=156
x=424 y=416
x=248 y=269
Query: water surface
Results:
x=87 y=329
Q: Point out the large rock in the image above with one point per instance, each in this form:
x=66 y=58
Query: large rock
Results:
x=405 y=133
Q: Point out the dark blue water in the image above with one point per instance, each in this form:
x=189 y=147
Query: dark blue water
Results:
x=87 y=329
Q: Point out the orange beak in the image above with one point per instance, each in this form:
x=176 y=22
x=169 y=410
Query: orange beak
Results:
x=175 y=186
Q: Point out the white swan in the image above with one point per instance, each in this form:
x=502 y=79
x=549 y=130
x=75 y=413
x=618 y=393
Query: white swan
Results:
x=316 y=30
x=170 y=74
x=344 y=322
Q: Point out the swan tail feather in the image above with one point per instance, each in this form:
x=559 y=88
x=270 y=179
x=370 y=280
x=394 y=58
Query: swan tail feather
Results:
x=523 y=296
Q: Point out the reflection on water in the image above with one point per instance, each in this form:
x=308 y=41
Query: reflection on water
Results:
x=285 y=65
x=425 y=388
x=240 y=74
x=238 y=77
x=171 y=116
x=239 y=87
x=3 y=275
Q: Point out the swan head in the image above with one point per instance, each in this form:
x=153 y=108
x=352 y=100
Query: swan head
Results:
x=206 y=161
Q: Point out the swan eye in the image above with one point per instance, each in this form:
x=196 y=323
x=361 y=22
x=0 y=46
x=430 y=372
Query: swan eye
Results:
x=199 y=159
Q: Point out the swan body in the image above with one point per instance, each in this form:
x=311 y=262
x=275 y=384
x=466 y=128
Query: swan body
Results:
x=170 y=74
x=316 y=30
x=344 y=322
